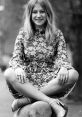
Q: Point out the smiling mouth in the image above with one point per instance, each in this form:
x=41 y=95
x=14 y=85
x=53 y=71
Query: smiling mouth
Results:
x=39 y=20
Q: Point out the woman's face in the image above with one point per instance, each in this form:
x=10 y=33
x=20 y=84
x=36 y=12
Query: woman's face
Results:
x=38 y=15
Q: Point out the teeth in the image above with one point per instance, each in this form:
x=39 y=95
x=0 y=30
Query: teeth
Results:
x=38 y=19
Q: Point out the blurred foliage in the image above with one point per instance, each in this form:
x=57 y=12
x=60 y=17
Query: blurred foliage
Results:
x=19 y=1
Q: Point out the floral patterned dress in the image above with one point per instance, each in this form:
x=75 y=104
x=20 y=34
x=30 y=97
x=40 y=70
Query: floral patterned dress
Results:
x=40 y=59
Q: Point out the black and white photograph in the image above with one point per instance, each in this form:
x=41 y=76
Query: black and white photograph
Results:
x=40 y=58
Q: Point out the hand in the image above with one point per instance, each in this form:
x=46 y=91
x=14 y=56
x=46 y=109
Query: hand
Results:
x=63 y=76
x=20 y=75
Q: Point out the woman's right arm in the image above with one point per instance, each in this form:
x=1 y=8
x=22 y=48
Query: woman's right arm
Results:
x=17 y=60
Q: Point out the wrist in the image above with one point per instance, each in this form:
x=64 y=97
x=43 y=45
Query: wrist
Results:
x=63 y=68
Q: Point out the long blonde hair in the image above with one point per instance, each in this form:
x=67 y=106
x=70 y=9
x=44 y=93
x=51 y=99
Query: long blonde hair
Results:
x=51 y=25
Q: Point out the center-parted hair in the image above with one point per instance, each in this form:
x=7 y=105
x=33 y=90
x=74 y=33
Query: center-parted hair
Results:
x=50 y=23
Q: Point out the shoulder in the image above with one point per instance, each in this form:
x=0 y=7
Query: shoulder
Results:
x=21 y=35
x=58 y=33
x=58 y=36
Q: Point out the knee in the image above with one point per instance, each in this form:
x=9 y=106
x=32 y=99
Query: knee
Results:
x=73 y=76
x=9 y=75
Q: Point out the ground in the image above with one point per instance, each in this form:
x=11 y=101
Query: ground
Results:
x=75 y=109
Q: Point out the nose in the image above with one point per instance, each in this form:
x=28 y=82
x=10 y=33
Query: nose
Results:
x=38 y=14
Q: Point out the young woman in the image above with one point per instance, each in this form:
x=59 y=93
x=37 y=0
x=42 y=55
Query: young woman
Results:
x=39 y=67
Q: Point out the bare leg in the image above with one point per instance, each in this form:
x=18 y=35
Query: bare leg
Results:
x=53 y=87
x=26 y=89
x=30 y=91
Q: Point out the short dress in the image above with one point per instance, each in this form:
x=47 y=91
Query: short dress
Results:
x=40 y=59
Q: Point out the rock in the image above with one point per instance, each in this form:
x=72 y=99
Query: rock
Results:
x=37 y=109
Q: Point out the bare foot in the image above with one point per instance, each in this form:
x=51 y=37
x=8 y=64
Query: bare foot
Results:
x=18 y=103
x=59 y=108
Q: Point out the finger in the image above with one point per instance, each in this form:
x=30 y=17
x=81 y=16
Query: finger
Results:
x=19 y=78
x=24 y=79
x=66 y=78
x=61 y=79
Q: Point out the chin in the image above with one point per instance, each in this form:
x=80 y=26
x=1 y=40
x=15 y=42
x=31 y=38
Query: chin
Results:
x=39 y=24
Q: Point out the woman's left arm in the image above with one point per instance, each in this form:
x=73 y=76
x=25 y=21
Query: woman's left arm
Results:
x=62 y=59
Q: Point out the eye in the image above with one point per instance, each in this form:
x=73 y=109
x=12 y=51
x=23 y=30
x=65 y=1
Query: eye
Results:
x=42 y=11
x=34 y=11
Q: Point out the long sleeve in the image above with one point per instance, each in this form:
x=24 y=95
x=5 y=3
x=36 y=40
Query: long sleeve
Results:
x=17 y=59
x=62 y=57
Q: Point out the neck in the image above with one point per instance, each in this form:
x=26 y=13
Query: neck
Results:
x=39 y=27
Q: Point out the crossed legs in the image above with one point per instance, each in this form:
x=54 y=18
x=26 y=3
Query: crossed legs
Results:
x=44 y=94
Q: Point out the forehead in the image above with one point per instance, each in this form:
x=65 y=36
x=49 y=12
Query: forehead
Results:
x=38 y=7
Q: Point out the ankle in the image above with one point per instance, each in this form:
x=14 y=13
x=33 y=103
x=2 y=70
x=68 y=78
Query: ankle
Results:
x=50 y=100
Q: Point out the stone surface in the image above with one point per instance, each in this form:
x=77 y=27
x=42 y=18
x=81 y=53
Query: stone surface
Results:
x=37 y=109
